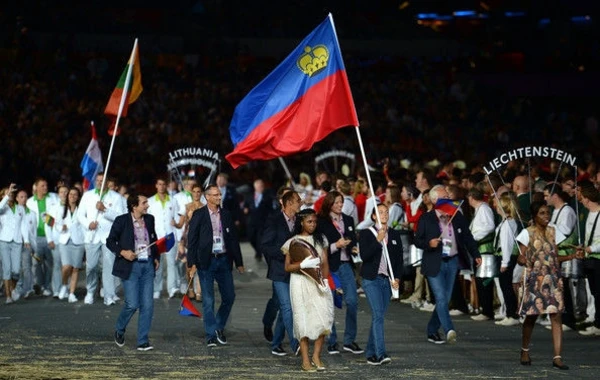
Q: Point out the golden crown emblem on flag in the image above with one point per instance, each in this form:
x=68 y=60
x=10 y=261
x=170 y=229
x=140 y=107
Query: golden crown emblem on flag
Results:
x=314 y=60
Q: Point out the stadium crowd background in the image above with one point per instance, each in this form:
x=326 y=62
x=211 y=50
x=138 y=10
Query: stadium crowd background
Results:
x=510 y=83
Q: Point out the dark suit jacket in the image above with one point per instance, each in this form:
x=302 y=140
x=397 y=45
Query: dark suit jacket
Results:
x=371 y=252
x=257 y=215
x=275 y=234
x=429 y=228
x=231 y=203
x=121 y=238
x=200 y=239
x=326 y=227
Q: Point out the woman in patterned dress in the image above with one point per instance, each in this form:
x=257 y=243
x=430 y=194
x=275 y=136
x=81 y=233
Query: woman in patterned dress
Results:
x=543 y=287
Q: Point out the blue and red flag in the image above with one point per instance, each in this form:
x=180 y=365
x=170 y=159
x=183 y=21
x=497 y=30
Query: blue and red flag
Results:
x=187 y=308
x=165 y=243
x=447 y=206
x=91 y=164
x=299 y=103
x=336 y=288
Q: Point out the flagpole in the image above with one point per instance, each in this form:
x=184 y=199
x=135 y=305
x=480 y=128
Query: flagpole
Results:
x=287 y=172
x=395 y=292
x=121 y=106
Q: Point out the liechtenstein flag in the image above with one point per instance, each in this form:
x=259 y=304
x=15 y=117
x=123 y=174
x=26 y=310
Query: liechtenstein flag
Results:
x=302 y=101
x=91 y=164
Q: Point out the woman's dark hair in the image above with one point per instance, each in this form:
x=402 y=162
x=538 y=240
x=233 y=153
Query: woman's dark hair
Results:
x=328 y=203
x=298 y=225
x=66 y=209
x=535 y=208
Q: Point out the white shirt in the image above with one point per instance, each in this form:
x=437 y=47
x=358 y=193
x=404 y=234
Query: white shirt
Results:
x=181 y=199
x=11 y=222
x=505 y=236
x=564 y=220
x=396 y=215
x=74 y=229
x=483 y=222
x=349 y=208
x=51 y=201
x=87 y=213
x=523 y=237
x=52 y=234
x=30 y=229
x=589 y=224
x=163 y=214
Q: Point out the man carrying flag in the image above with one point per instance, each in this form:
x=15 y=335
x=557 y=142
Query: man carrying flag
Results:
x=302 y=101
x=443 y=234
x=132 y=240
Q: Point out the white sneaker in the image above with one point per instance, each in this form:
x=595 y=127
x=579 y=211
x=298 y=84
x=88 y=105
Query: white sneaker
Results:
x=360 y=291
x=456 y=313
x=9 y=300
x=480 y=317
x=564 y=328
x=592 y=330
x=508 y=321
x=101 y=292
x=589 y=319
x=156 y=295
x=46 y=293
x=89 y=299
x=28 y=294
x=62 y=294
x=451 y=337
x=173 y=292
x=108 y=301
x=116 y=298
x=544 y=321
x=72 y=298
x=15 y=295
x=499 y=316
x=427 y=307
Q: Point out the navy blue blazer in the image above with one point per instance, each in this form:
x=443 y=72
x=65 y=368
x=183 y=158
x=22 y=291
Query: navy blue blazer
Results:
x=200 y=239
x=276 y=233
x=121 y=238
x=326 y=227
x=429 y=228
x=371 y=252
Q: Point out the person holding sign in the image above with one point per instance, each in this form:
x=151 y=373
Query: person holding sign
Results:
x=376 y=278
x=443 y=234
x=131 y=239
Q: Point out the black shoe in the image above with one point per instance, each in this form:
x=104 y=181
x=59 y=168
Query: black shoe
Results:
x=525 y=358
x=435 y=339
x=373 y=360
x=385 y=359
x=557 y=363
x=268 y=334
x=353 y=347
x=221 y=337
x=145 y=347
x=212 y=342
x=333 y=349
x=278 y=351
x=119 y=339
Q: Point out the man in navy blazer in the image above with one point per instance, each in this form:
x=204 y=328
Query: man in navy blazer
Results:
x=278 y=229
x=338 y=228
x=135 y=263
x=213 y=247
x=444 y=240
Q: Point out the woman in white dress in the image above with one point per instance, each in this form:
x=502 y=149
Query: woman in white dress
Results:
x=312 y=301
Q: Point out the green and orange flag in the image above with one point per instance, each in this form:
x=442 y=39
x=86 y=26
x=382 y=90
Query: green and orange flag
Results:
x=130 y=78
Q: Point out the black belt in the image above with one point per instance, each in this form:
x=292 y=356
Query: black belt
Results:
x=383 y=276
x=448 y=258
x=217 y=255
x=345 y=261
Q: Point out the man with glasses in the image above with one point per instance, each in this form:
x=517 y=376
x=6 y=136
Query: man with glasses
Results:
x=213 y=247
